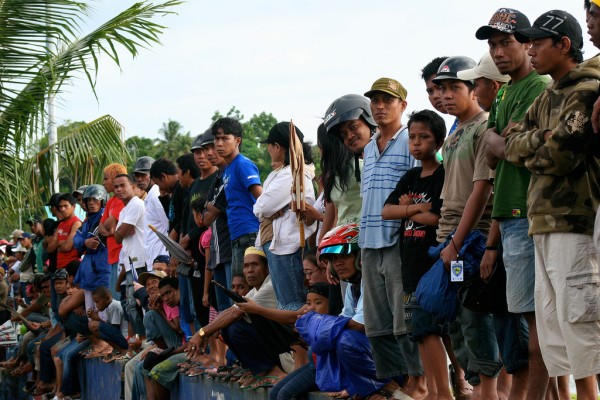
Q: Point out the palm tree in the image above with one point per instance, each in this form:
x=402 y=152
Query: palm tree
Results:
x=31 y=72
x=176 y=142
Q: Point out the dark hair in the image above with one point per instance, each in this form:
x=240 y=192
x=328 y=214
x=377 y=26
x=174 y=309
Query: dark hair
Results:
x=170 y=281
x=587 y=5
x=435 y=123
x=162 y=166
x=575 y=53
x=198 y=204
x=128 y=176
x=336 y=163
x=432 y=67
x=306 y=149
x=239 y=275
x=72 y=267
x=67 y=197
x=230 y=126
x=49 y=226
x=45 y=278
x=311 y=257
x=101 y=291
x=186 y=163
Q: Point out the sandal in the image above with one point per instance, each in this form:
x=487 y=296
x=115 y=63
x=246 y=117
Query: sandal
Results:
x=458 y=392
x=266 y=381
x=249 y=381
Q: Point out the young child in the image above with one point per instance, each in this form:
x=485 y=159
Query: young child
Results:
x=108 y=319
x=416 y=200
x=239 y=285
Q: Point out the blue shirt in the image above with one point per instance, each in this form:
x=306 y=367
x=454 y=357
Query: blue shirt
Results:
x=353 y=308
x=237 y=178
x=381 y=172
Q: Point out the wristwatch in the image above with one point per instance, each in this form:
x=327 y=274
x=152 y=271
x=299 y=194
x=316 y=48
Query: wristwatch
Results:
x=201 y=333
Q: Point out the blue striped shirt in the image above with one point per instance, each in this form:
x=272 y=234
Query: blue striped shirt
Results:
x=381 y=173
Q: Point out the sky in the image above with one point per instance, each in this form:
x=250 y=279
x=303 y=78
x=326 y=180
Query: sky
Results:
x=288 y=58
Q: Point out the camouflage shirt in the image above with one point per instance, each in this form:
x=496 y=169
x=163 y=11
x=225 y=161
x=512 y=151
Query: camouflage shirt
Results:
x=564 y=189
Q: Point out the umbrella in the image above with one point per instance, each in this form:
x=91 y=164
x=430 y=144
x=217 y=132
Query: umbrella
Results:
x=28 y=260
x=297 y=167
x=174 y=248
x=14 y=313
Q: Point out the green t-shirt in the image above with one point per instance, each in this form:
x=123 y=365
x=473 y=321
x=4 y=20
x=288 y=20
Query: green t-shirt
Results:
x=511 y=182
x=348 y=203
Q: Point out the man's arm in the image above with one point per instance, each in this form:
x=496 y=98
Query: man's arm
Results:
x=123 y=231
x=255 y=190
x=66 y=245
x=71 y=303
x=107 y=228
x=211 y=213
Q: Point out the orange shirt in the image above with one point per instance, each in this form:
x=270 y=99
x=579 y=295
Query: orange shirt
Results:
x=114 y=207
x=63 y=230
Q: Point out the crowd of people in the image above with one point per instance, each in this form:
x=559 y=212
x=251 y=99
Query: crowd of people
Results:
x=425 y=263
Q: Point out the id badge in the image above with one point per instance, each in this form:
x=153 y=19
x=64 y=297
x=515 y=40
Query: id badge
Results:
x=456 y=271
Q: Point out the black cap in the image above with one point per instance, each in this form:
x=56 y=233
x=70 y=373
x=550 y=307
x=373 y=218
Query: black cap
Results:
x=320 y=288
x=555 y=23
x=207 y=138
x=505 y=20
x=53 y=202
x=280 y=134
x=33 y=220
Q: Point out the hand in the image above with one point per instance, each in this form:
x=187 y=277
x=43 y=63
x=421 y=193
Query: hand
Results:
x=34 y=326
x=424 y=207
x=406 y=200
x=155 y=302
x=92 y=314
x=21 y=302
x=250 y=307
x=310 y=215
x=205 y=302
x=303 y=310
x=92 y=243
x=448 y=255
x=332 y=280
x=547 y=135
x=196 y=345
x=488 y=263
x=172 y=270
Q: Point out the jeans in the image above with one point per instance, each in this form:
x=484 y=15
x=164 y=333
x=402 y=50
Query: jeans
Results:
x=222 y=274
x=157 y=327
x=512 y=334
x=238 y=247
x=112 y=280
x=287 y=275
x=134 y=315
x=138 y=387
x=69 y=355
x=296 y=385
x=185 y=302
x=244 y=340
x=47 y=369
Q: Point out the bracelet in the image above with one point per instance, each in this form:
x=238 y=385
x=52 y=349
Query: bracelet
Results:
x=492 y=248
x=454 y=244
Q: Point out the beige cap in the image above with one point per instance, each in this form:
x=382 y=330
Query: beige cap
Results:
x=486 y=68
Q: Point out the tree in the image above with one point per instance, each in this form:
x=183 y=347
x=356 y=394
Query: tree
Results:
x=139 y=147
x=175 y=143
x=31 y=72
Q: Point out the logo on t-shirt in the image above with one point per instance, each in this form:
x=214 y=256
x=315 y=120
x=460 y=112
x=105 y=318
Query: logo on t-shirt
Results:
x=249 y=177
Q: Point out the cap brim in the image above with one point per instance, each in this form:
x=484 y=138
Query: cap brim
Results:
x=468 y=75
x=485 y=32
x=524 y=35
x=372 y=92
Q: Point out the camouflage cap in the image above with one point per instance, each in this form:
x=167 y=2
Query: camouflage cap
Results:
x=389 y=86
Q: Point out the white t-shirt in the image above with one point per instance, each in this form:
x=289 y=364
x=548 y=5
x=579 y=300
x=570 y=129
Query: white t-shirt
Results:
x=155 y=216
x=133 y=245
x=113 y=314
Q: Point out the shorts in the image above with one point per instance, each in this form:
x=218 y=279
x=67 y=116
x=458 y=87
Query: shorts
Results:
x=420 y=323
x=167 y=372
x=519 y=263
x=567 y=303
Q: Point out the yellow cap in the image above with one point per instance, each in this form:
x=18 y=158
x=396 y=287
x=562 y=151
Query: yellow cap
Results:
x=596 y=2
x=255 y=250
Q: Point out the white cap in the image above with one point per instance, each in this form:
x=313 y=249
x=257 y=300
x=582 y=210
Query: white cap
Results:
x=486 y=68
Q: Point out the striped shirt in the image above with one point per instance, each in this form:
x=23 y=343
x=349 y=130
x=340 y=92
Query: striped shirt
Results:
x=380 y=175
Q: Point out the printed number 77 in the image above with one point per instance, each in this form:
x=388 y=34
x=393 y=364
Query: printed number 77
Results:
x=552 y=18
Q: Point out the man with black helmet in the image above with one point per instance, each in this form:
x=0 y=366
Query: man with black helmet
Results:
x=510 y=210
x=350 y=119
x=466 y=207
x=556 y=143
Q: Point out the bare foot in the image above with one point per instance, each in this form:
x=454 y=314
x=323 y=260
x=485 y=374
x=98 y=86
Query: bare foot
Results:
x=339 y=395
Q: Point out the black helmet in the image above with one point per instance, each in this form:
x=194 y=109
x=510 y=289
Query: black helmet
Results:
x=197 y=143
x=207 y=138
x=451 y=66
x=347 y=108
x=96 y=192
x=143 y=165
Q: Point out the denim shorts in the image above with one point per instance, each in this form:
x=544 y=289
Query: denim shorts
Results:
x=519 y=262
x=238 y=248
x=420 y=323
x=512 y=334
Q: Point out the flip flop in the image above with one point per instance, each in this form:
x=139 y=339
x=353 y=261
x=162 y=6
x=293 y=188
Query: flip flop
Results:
x=267 y=381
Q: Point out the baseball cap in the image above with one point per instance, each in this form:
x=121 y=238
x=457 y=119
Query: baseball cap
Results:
x=389 y=86
x=554 y=23
x=280 y=133
x=60 y=274
x=25 y=235
x=197 y=142
x=486 y=68
x=505 y=20
x=145 y=275
x=33 y=220
x=207 y=138
x=16 y=233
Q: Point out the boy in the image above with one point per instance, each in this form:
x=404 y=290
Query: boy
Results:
x=466 y=206
x=108 y=318
x=556 y=143
x=416 y=200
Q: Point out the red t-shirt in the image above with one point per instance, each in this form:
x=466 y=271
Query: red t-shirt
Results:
x=63 y=230
x=114 y=207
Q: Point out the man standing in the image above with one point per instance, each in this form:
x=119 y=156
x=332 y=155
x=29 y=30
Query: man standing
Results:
x=386 y=159
x=130 y=234
x=35 y=224
x=530 y=377
x=242 y=188
x=556 y=143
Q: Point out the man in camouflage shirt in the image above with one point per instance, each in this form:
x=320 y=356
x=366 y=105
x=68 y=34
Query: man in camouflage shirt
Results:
x=555 y=142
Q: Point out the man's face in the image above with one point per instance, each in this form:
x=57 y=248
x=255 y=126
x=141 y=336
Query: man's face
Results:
x=107 y=182
x=593 y=24
x=200 y=159
x=545 y=56
x=65 y=208
x=185 y=178
x=355 y=135
x=25 y=242
x=456 y=97
x=60 y=286
x=255 y=270
x=79 y=198
x=317 y=303
x=123 y=188
x=421 y=141
x=152 y=285
x=343 y=265
x=226 y=144
x=508 y=54
x=240 y=286
x=386 y=109
x=92 y=205
x=46 y=288
x=434 y=95
x=170 y=295
x=165 y=182
x=210 y=152
x=102 y=302
x=36 y=228
x=485 y=90
x=142 y=179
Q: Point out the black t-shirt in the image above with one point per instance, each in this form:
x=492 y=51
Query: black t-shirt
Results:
x=221 y=241
x=415 y=238
x=198 y=189
x=52 y=256
x=176 y=207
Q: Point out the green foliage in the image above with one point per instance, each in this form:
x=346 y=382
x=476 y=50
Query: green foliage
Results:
x=139 y=147
x=175 y=143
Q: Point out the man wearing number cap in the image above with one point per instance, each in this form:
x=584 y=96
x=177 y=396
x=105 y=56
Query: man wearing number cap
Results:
x=556 y=143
